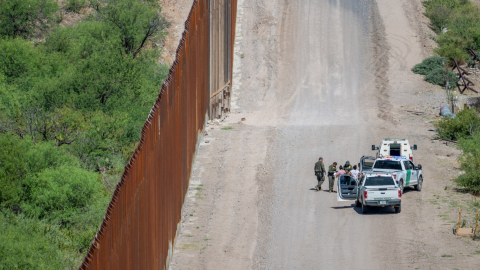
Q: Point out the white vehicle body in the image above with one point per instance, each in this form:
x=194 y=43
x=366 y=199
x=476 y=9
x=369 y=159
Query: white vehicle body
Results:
x=395 y=147
x=402 y=170
x=370 y=190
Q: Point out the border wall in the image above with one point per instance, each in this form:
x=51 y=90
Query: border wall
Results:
x=143 y=217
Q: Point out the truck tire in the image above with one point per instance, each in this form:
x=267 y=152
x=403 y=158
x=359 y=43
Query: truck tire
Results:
x=418 y=187
x=401 y=186
x=357 y=203
x=398 y=209
x=364 y=209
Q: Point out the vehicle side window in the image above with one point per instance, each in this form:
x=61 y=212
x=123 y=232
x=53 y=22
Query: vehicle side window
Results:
x=411 y=165
x=407 y=165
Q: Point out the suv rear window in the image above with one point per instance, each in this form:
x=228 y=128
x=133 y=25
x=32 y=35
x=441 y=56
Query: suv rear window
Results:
x=388 y=164
x=379 y=181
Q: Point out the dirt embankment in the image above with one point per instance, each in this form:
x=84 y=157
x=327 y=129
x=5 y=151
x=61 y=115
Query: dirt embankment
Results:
x=176 y=12
x=322 y=78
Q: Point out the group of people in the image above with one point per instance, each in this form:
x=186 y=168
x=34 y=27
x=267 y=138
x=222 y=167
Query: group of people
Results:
x=333 y=173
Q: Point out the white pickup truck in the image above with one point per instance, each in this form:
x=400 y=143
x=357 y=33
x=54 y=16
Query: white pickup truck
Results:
x=403 y=170
x=377 y=190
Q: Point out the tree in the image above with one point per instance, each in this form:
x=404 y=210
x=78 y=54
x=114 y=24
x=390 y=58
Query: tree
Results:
x=22 y=17
x=12 y=170
x=135 y=22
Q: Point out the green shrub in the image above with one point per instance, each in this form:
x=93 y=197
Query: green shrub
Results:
x=22 y=17
x=12 y=170
x=75 y=5
x=439 y=16
x=438 y=77
x=461 y=19
x=429 y=64
x=470 y=163
x=59 y=192
x=29 y=243
x=458 y=127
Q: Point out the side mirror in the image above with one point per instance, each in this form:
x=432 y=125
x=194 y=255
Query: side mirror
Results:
x=373 y=148
x=414 y=147
x=419 y=166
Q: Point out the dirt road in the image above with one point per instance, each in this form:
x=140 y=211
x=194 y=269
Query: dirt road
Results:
x=317 y=78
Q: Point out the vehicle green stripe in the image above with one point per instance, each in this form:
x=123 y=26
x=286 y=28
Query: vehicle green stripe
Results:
x=409 y=173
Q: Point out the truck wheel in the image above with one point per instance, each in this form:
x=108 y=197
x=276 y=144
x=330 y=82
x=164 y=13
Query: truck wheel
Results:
x=364 y=209
x=401 y=185
x=418 y=187
x=398 y=209
x=357 y=203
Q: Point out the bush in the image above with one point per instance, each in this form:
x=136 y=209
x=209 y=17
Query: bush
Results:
x=429 y=64
x=12 y=169
x=439 y=16
x=22 y=17
x=75 y=5
x=56 y=193
x=458 y=127
x=29 y=243
x=438 y=76
x=461 y=18
x=470 y=163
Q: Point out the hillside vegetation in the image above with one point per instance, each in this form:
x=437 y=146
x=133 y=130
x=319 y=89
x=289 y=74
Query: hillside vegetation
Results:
x=456 y=23
x=72 y=103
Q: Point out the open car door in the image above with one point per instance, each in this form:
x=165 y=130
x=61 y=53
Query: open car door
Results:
x=366 y=164
x=346 y=188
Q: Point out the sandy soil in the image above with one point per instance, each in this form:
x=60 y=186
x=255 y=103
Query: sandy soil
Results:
x=176 y=12
x=322 y=78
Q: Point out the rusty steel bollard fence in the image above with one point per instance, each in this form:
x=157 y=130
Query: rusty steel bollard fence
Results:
x=143 y=217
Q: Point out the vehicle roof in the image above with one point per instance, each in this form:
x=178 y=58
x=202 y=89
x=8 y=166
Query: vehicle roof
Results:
x=395 y=139
x=377 y=174
x=392 y=158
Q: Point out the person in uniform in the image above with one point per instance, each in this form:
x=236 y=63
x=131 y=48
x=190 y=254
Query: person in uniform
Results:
x=347 y=167
x=320 y=173
x=332 y=169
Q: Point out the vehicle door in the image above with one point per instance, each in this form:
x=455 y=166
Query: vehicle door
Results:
x=366 y=164
x=408 y=173
x=414 y=177
x=347 y=188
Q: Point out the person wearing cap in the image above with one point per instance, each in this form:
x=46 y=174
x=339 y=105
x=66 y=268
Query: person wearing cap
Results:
x=332 y=169
x=347 y=167
x=320 y=173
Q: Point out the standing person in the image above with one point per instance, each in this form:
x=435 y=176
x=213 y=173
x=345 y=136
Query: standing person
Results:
x=332 y=169
x=341 y=171
x=320 y=173
x=354 y=173
x=347 y=167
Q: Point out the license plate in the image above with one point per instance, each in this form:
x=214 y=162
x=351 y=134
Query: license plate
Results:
x=383 y=202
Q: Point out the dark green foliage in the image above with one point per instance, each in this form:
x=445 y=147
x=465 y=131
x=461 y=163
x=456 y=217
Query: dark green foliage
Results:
x=439 y=75
x=22 y=18
x=429 y=64
x=75 y=5
x=71 y=112
x=135 y=22
x=461 y=18
x=470 y=163
x=29 y=243
x=458 y=127
x=12 y=170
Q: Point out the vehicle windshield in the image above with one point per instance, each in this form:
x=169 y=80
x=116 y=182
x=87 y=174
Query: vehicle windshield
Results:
x=379 y=181
x=388 y=164
x=368 y=163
